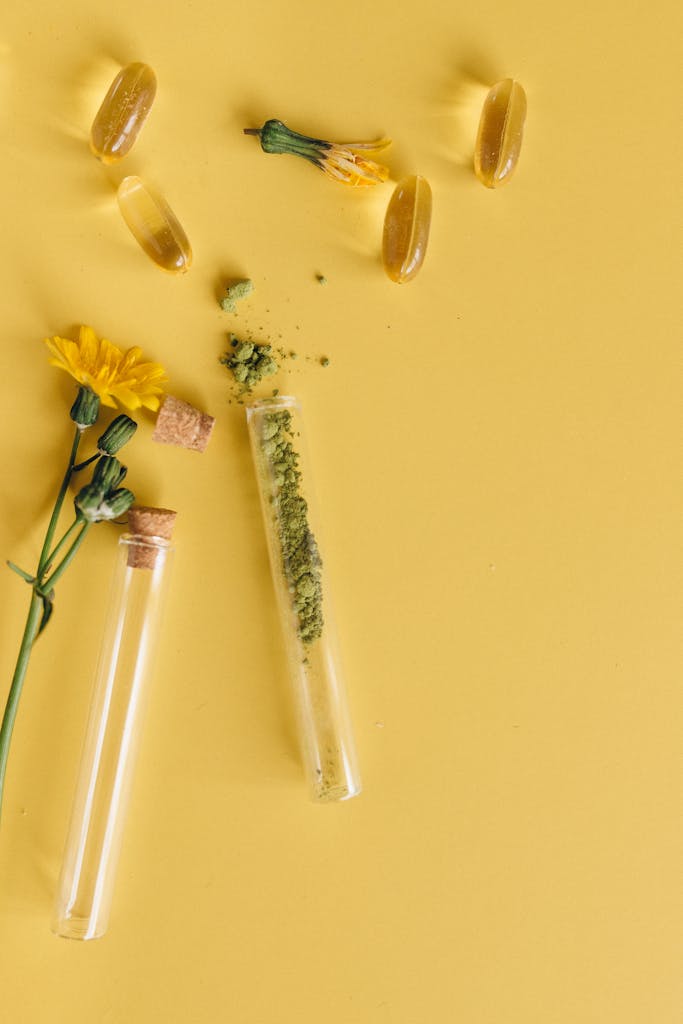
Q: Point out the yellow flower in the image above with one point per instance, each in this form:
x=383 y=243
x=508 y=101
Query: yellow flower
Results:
x=113 y=375
x=342 y=161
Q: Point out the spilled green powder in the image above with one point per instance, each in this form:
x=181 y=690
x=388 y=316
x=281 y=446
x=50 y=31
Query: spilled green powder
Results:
x=301 y=560
x=249 y=363
x=234 y=293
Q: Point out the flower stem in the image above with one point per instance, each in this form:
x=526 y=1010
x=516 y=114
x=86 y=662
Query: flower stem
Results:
x=30 y=631
x=49 y=583
x=36 y=607
x=86 y=462
x=51 y=560
x=52 y=526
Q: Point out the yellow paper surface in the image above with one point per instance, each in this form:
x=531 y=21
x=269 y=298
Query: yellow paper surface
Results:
x=497 y=459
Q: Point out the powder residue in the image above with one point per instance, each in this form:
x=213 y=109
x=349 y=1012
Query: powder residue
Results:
x=301 y=562
x=249 y=363
x=234 y=293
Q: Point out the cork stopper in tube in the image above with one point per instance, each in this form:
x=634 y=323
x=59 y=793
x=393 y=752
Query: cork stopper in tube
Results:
x=154 y=523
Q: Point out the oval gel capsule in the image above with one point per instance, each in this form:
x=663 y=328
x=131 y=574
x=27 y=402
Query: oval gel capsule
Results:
x=406 y=228
x=154 y=225
x=123 y=112
x=499 y=139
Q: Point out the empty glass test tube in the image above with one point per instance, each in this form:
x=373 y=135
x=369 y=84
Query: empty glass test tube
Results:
x=112 y=737
x=301 y=586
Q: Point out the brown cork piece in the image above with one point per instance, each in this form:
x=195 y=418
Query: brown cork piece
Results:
x=146 y=521
x=179 y=423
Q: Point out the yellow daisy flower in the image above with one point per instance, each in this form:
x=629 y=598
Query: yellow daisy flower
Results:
x=114 y=376
x=345 y=162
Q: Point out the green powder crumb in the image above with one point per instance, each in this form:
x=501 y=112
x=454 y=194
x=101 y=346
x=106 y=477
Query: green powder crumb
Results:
x=234 y=293
x=249 y=363
x=321 y=279
x=293 y=355
x=324 y=361
x=301 y=562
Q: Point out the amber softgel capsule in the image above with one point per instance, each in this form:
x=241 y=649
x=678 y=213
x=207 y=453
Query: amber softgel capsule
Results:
x=499 y=139
x=123 y=112
x=406 y=228
x=154 y=225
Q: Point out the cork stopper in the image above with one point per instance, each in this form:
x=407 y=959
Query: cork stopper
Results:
x=179 y=423
x=145 y=521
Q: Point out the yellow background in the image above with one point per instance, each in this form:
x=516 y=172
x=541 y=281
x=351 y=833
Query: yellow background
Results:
x=497 y=459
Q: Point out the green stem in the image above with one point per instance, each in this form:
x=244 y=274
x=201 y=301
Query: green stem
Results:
x=49 y=583
x=53 y=555
x=52 y=526
x=86 y=462
x=35 y=611
x=30 y=630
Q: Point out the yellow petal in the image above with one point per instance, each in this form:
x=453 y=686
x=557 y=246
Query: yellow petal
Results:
x=88 y=346
x=113 y=375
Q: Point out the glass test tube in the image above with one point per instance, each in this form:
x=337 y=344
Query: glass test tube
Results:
x=301 y=586
x=119 y=698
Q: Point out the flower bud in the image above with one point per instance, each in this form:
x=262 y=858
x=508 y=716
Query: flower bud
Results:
x=118 y=433
x=86 y=408
x=116 y=503
x=108 y=474
x=93 y=505
x=88 y=501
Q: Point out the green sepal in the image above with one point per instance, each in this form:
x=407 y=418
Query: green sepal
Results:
x=94 y=506
x=87 y=502
x=86 y=408
x=108 y=474
x=276 y=137
x=116 y=503
x=118 y=433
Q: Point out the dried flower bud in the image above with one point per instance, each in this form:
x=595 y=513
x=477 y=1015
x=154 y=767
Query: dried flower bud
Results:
x=118 y=433
x=108 y=474
x=86 y=408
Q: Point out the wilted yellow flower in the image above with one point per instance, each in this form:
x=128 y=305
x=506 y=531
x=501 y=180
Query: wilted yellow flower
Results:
x=342 y=161
x=113 y=375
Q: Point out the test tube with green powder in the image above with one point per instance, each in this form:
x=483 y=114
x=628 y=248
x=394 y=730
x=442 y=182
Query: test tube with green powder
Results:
x=292 y=531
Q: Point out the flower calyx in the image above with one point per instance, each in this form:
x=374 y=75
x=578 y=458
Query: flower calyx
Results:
x=94 y=507
x=86 y=408
x=345 y=162
x=103 y=498
x=108 y=474
x=118 y=433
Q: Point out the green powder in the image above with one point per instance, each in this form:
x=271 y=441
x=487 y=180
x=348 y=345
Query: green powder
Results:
x=234 y=293
x=249 y=363
x=301 y=560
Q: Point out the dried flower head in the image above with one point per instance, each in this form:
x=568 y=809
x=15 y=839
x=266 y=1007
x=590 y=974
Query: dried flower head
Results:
x=345 y=162
x=113 y=375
